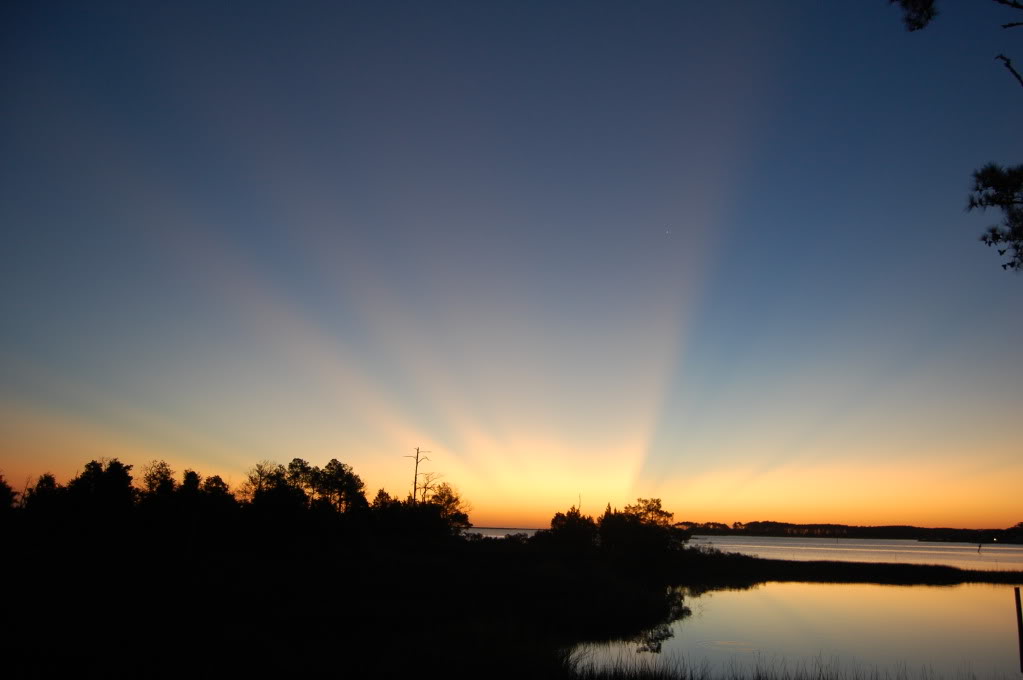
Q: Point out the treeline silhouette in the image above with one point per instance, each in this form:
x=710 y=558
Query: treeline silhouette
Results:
x=1013 y=534
x=298 y=499
x=118 y=574
x=296 y=572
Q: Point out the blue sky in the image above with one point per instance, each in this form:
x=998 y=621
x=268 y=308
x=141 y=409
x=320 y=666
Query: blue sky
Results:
x=712 y=252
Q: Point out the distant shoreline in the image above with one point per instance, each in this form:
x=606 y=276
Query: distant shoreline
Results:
x=1012 y=535
x=509 y=529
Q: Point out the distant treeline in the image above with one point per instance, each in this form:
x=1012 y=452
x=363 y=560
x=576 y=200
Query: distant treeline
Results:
x=1013 y=534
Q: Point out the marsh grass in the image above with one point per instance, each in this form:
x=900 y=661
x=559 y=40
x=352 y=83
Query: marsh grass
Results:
x=583 y=665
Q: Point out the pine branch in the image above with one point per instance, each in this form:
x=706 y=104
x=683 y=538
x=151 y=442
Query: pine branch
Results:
x=1015 y=4
x=1008 y=63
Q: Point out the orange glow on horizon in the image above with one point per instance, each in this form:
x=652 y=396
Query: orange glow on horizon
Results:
x=939 y=495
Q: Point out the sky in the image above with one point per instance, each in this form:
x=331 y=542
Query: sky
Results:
x=581 y=252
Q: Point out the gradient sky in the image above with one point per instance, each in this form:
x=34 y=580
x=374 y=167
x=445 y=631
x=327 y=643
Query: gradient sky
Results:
x=715 y=253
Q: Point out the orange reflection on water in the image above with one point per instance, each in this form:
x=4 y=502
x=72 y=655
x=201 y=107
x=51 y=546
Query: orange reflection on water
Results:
x=854 y=629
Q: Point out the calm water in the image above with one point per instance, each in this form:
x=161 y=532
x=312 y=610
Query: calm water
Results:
x=854 y=629
x=963 y=555
x=497 y=532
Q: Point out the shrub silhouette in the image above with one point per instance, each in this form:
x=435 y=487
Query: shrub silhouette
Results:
x=640 y=535
x=571 y=533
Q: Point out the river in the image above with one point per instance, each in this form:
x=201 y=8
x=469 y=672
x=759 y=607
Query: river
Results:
x=962 y=555
x=842 y=630
x=837 y=631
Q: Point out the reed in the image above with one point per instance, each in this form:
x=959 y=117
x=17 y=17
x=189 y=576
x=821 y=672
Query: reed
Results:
x=581 y=666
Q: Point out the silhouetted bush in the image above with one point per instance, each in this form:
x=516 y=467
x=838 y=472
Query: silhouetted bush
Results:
x=571 y=533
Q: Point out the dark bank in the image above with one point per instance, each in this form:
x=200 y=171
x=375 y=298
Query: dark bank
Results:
x=301 y=574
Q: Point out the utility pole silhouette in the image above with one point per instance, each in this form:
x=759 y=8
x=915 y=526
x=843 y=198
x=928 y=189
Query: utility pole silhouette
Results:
x=419 y=458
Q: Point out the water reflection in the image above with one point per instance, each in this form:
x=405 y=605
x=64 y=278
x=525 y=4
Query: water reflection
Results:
x=652 y=640
x=962 y=555
x=863 y=629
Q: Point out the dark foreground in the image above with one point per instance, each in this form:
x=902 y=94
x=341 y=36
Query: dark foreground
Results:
x=302 y=576
x=463 y=609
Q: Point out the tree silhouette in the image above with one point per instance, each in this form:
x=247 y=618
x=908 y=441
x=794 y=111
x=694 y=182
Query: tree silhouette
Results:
x=916 y=13
x=383 y=500
x=7 y=498
x=453 y=509
x=45 y=497
x=103 y=488
x=303 y=475
x=649 y=511
x=428 y=485
x=215 y=486
x=259 y=477
x=339 y=484
x=217 y=499
x=158 y=478
x=419 y=458
x=993 y=185
x=190 y=482
x=998 y=187
x=641 y=534
x=572 y=532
